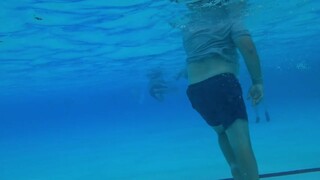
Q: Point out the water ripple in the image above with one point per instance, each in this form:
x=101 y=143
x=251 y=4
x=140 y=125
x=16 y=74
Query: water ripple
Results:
x=81 y=42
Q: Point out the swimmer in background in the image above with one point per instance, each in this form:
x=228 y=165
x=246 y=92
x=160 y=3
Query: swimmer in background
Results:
x=157 y=85
x=211 y=37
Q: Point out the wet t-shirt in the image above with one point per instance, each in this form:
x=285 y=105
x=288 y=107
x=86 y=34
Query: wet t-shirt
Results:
x=211 y=32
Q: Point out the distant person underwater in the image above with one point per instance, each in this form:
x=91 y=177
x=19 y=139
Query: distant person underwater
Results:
x=213 y=33
x=157 y=85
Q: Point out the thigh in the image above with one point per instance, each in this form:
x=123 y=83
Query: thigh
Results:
x=238 y=134
x=205 y=99
x=219 y=129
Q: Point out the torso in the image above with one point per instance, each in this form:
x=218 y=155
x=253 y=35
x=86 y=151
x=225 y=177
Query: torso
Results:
x=208 y=67
x=208 y=44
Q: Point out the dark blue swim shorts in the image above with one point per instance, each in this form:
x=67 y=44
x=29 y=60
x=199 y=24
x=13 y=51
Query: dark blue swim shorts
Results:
x=218 y=100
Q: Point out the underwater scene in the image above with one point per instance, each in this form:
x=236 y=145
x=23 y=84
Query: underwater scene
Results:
x=111 y=90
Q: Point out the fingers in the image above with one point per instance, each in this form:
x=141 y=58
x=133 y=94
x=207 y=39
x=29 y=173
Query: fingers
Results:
x=257 y=99
x=255 y=96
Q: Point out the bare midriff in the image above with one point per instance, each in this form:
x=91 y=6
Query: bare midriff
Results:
x=208 y=67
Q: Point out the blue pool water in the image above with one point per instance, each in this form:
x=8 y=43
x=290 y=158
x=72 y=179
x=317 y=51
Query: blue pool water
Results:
x=74 y=103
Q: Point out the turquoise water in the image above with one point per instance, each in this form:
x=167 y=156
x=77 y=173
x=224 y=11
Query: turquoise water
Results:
x=74 y=102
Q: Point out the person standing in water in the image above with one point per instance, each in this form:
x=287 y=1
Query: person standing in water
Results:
x=211 y=37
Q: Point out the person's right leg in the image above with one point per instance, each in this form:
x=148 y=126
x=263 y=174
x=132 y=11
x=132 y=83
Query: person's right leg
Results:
x=239 y=139
x=227 y=152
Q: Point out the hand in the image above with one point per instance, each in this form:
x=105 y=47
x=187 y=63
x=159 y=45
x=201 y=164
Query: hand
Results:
x=256 y=93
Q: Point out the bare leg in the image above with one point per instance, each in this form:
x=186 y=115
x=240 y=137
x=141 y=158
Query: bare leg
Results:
x=227 y=152
x=239 y=139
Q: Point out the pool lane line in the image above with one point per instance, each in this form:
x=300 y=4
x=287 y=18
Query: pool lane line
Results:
x=285 y=173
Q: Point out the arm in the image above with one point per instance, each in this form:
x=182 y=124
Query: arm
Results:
x=251 y=58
